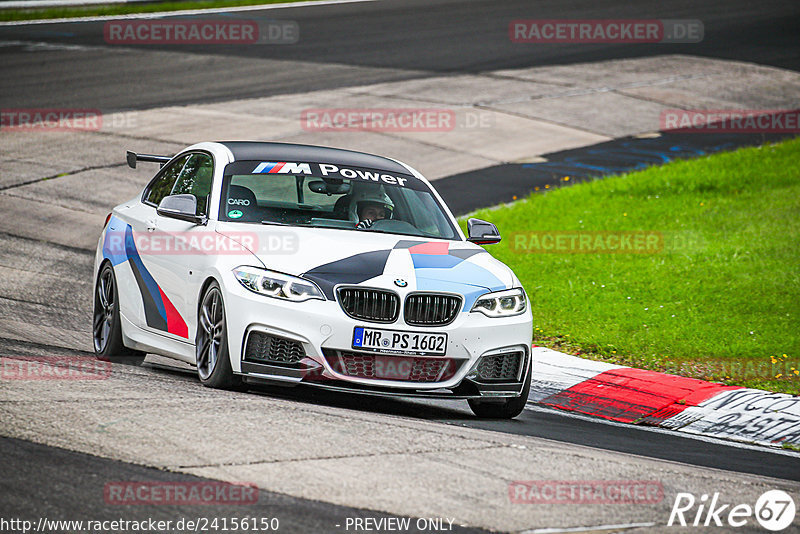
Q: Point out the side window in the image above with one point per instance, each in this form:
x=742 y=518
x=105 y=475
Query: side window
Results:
x=195 y=179
x=162 y=186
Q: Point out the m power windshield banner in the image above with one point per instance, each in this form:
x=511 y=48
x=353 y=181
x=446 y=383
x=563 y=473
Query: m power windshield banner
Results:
x=323 y=170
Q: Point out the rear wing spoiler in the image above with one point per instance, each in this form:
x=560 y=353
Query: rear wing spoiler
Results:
x=133 y=157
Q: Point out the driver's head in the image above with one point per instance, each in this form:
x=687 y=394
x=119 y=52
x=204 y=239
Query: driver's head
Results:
x=371 y=203
x=374 y=211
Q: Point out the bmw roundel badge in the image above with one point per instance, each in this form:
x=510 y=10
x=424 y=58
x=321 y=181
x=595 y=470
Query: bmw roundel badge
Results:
x=400 y=282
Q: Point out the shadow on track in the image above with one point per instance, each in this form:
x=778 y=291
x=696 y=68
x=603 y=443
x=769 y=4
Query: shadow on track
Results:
x=548 y=424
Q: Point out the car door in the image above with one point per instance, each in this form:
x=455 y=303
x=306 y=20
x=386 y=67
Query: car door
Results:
x=186 y=249
x=140 y=296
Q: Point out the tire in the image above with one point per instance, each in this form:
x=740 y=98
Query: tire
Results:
x=211 y=342
x=507 y=409
x=107 y=321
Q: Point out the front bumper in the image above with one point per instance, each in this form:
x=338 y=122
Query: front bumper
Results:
x=325 y=332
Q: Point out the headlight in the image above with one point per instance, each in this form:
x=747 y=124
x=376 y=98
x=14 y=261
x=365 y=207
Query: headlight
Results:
x=277 y=285
x=502 y=303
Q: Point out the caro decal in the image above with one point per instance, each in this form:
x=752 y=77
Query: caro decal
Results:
x=282 y=167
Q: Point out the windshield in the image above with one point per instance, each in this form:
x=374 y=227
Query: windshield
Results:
x=325 y=202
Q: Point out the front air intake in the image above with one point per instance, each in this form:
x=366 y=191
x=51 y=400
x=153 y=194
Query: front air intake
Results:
x=266 y=348
x=388 y=367
x=500 y=366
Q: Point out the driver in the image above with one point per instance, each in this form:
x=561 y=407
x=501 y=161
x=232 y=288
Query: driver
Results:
x=371 y=206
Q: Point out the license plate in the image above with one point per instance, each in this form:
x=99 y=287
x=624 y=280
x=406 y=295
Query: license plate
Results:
x=399 y=342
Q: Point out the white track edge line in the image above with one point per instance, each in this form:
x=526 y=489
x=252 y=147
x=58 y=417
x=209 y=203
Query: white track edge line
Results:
x=159 y=14
x=586 y=529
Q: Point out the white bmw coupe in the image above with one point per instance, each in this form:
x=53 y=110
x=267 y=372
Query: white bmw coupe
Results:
x=279 y=263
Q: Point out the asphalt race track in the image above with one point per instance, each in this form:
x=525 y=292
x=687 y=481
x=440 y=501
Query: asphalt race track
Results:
x=359 y=43
x=68 y=478
x=319 y=458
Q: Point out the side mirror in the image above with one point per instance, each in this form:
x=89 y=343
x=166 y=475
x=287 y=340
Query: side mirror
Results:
x=183 y=207
x=482 y=232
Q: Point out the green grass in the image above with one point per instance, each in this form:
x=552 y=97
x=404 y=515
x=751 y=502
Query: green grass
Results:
x=790 y=447
x=720 y=301
x=123 y=9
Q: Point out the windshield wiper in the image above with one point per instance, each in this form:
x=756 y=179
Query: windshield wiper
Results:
x=276 y=223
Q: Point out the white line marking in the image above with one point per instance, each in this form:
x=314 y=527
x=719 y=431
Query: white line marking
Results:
x=658 y=430
x=39 y=46
x=586 y=529
x=256 y=7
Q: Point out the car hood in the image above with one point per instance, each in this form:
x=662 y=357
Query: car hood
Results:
x=331 y=257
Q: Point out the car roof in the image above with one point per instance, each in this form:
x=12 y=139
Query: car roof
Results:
x=261 y=150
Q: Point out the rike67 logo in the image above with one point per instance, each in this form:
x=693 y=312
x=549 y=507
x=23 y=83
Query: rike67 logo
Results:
x=774 y=510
